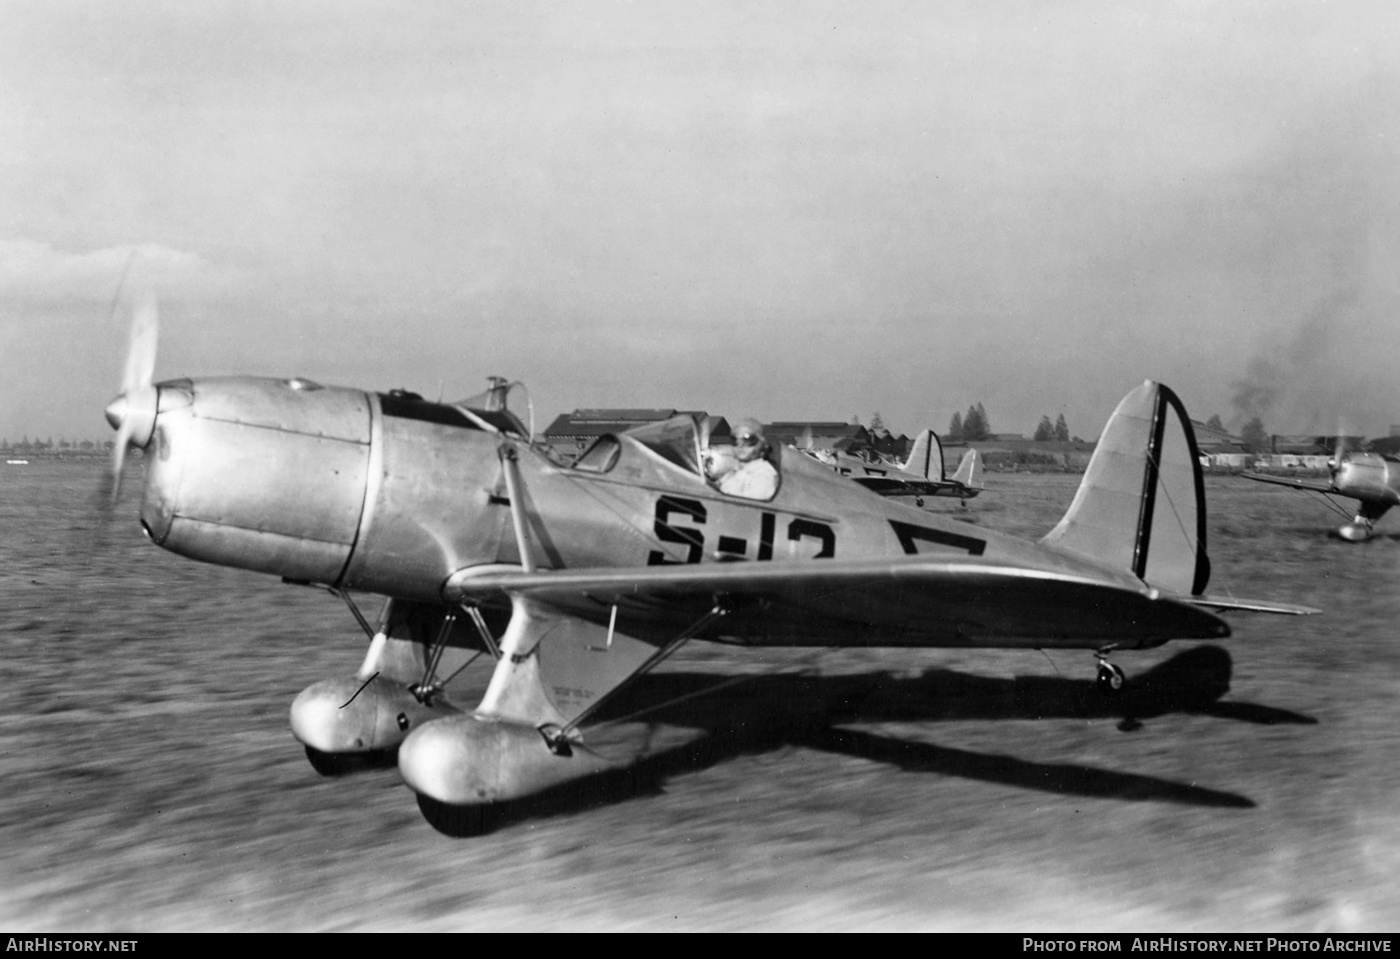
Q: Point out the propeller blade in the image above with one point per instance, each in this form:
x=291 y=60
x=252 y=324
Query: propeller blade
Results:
x=119 y=458
x=1339 y=450
x=141 y=347
x=133 y=413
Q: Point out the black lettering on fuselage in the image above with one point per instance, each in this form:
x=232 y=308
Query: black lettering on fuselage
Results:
x=766 y=525
x=910 y=536
x=799 y=528
x=733 y=546
x=684 y=535
x=729 y=547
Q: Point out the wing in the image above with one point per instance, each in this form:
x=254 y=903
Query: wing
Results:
x=1294 y=483
x=906 y=601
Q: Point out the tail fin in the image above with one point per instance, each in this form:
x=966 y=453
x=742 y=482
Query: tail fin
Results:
x=925 y=457
x=970 y=470
x=1141 y=505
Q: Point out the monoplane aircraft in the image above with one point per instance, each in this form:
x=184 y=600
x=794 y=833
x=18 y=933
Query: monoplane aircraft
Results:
x=920 y=475
x=1372 y=479
x=578 y=579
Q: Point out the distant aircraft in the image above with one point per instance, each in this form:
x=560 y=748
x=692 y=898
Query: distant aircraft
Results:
x=1373 y=479
x=920 y=475
x=576 y=580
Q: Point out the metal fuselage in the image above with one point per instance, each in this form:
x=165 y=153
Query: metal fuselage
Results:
x=1368 y=476
x=848 y=464
x=890 y=479
x=390 y=494
x=1374 y=481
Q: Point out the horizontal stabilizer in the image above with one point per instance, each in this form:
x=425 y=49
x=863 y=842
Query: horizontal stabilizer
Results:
x=1251 y=605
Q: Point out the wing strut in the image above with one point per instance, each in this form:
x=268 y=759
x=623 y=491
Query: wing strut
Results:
x=425 y=688
x=510 y=465
x=354 y=610
x=429 y=686
x=485 y=633
x=558 y=736
x=377 y=637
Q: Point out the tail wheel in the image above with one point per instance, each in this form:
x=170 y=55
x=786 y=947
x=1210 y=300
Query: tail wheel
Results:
x=1110 y=680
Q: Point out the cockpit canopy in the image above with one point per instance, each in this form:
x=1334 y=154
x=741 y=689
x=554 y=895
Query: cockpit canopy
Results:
x=677 y=441
x=682 y=441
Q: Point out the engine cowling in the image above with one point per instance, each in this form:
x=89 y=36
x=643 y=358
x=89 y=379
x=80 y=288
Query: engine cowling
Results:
x=385 y=493
x=259 y=473
x=1368 y=476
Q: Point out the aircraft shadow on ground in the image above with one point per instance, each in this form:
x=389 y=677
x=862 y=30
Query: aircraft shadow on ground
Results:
x=771 y=711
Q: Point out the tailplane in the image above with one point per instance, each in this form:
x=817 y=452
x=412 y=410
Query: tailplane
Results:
x=1141 y=505
x=925 y=457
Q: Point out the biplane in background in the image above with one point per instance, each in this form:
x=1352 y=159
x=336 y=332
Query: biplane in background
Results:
x=921 y=475
x=578 y=579
x=1370 y=477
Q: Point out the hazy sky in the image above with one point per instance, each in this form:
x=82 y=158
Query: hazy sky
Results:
x=788 y=210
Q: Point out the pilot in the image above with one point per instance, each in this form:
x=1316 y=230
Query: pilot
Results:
x=745 y=470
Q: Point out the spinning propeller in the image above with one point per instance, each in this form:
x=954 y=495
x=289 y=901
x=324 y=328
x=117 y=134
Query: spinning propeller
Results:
x=133 y=413
x=1345 y=479
x=1340 y=452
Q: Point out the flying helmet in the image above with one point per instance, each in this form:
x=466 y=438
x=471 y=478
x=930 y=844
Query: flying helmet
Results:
x=748 y=439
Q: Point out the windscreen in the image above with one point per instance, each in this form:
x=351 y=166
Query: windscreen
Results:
x=676 y=440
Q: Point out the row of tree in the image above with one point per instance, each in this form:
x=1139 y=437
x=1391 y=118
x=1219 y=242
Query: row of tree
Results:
x=974 y=425
x=41 y=445
x=1058 y=431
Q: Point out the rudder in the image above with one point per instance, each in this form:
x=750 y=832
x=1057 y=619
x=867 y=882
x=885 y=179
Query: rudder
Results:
x=1141 y=504
x=970 y=470
x=925 y=457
